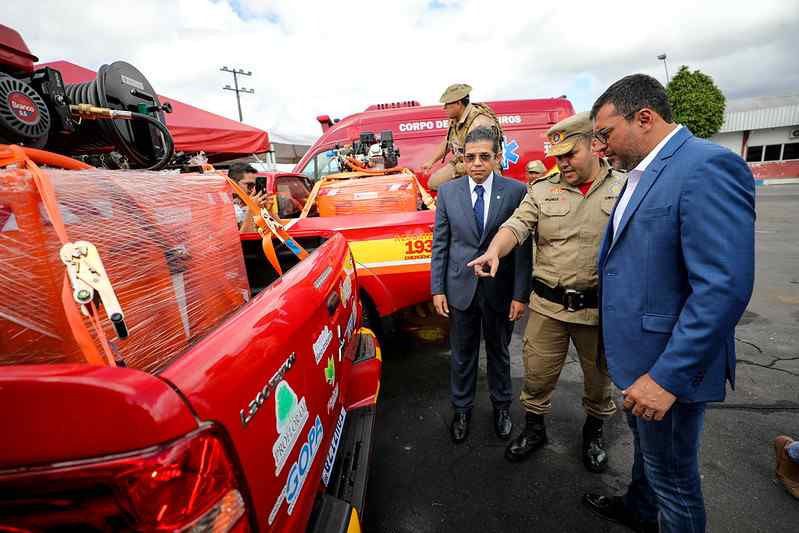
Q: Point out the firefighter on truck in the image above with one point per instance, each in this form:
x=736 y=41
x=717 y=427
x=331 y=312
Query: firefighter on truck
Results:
x=464 y=116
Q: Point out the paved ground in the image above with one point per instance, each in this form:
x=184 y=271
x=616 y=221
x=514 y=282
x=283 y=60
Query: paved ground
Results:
x=421 y=482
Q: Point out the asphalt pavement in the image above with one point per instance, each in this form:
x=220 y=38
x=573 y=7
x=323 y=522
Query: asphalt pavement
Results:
x=422 y=482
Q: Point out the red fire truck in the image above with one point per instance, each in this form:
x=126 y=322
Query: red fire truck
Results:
x=418 y=129
x=392 y=248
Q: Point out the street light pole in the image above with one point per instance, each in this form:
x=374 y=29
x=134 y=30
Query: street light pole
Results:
x=236 y=73
x=662 y=57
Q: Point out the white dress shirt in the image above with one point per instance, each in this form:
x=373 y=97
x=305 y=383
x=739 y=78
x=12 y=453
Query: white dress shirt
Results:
x=634 y=177
x=486 y=195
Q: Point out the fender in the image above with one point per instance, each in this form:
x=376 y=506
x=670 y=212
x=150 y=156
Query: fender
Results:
x=376 y=290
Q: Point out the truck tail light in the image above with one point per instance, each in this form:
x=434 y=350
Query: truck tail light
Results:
x=187 y=485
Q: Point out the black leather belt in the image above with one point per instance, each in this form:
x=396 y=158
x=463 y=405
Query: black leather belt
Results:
x=571 y=299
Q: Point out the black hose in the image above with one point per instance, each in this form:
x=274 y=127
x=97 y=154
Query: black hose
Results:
x=94 y=93
x=169 y=143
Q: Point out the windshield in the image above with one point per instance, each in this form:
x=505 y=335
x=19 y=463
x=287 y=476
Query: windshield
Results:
x=322 y=164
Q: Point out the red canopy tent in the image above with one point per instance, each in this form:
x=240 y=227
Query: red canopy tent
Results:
x=192 y=128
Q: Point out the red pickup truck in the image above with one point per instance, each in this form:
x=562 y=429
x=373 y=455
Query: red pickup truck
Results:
x=391 y=250
x=263 y=420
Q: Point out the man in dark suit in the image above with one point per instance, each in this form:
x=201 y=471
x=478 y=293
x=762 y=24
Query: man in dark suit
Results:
x=469 y=212
x=676 y=270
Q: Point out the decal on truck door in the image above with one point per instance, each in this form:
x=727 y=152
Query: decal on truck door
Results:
x=331 y=453
x=321 y=343
x=255 y=405
x=346 y=290
x=290 y=417
x=331 y=403
x=298 y=472
x=330 y=371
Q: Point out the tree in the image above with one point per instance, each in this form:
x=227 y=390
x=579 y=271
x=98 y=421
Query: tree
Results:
x=696 y=102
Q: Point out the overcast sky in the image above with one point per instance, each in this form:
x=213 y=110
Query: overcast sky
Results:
x=337 y=57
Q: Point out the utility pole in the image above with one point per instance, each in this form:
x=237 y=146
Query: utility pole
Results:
x=236 y=73
x=662 y=57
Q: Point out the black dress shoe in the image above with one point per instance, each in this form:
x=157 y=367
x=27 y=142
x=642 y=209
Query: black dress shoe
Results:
x=612 y=508
x=459 y=429
x=595 y=457
x=532 y=437
x=503 y=425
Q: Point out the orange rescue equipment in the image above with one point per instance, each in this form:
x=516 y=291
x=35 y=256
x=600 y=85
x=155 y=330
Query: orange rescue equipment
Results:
x=392 y=193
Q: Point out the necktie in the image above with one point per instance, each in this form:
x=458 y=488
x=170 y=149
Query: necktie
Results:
x=479 y=208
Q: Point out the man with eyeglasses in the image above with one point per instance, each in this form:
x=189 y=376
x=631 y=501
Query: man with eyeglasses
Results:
x=677 y=269
x=469 y=211
x=245 y=175
x=565 y=213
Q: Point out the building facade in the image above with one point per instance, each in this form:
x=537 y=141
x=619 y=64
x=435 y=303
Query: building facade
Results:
x=765 y=132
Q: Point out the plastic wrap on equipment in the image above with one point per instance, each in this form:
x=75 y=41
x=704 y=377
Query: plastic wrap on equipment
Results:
x=394 y=193
x=170 y=246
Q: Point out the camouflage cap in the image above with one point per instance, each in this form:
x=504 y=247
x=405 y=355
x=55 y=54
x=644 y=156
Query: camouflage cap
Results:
x=455 y=92
x=563 y=135
x=536 y=166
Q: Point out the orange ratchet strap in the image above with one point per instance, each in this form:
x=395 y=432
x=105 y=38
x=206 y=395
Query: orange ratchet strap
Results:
x=24 y=158
x=268 y=226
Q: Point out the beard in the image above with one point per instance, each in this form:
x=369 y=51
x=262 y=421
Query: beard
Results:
x=625 y=162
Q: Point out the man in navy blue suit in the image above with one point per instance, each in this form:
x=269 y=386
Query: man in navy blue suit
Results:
x=676 y=270
x=469 y=212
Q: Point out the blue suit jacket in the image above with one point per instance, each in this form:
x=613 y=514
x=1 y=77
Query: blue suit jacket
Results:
x=456 y=242
x=679 y=275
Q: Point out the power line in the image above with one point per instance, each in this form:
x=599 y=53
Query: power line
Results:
x=238 y=90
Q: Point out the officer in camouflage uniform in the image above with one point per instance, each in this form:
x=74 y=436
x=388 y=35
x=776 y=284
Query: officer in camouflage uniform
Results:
x=565 y=213
x=463 y=118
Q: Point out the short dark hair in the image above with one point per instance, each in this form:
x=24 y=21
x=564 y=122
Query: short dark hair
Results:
x=464 y=100
x=238 y=170
x=483 y=134
x=633 y=93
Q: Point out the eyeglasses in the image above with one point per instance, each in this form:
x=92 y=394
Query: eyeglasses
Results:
x=603 y=135
x=485 y=157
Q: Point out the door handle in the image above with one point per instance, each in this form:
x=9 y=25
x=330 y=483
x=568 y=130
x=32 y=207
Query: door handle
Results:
x=333 y=301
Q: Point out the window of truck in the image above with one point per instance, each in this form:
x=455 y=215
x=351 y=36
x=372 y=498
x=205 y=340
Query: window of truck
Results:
x=292 y=193
x=321 y=164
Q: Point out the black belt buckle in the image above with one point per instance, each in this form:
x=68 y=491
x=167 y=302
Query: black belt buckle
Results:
x=573 y=300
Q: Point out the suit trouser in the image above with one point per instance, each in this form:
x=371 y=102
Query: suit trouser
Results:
x=464 y=338
x=546 y=343
x=665 y=477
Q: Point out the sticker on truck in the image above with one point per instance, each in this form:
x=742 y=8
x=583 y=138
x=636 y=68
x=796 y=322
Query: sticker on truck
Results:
x=407 y=253
x=255 y=405
x=290 y=417
x=443 y=123
x=321 y=343
x=331 y=453
x=298 y=472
